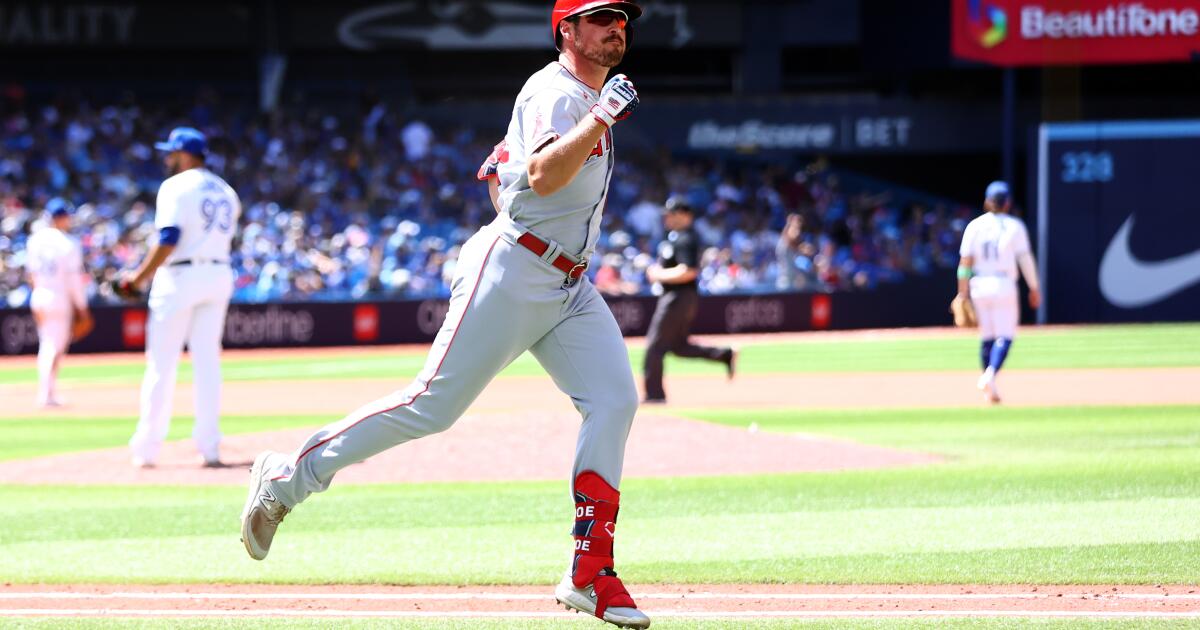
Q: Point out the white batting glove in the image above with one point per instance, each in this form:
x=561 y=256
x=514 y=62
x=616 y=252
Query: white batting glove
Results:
x=618 y=99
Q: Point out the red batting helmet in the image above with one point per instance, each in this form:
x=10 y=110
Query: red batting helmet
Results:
x=564 y=9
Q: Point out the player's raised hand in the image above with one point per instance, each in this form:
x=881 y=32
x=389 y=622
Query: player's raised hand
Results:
x=618 y=99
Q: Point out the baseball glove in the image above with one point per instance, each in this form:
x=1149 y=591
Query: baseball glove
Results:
x=964 y=312
x=81 y=324
x=124 y=290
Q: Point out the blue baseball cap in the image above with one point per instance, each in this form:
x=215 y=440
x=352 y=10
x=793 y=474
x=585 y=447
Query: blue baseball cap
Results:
x=997 y=189
x=59 y=207
x=184 y=139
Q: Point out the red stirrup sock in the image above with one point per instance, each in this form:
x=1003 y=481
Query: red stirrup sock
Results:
x=596 y=506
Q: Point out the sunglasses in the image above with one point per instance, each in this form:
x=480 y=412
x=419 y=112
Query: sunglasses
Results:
x=604 y=19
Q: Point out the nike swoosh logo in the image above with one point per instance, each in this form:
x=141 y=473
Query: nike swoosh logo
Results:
x=1128 y=282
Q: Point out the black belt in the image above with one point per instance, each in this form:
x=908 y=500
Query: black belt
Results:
x=198 y=261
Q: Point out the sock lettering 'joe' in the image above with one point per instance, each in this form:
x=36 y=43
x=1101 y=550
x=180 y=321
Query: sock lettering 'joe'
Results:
x=596 y=507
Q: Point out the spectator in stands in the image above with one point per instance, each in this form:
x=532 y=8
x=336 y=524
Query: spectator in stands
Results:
x=341 y=205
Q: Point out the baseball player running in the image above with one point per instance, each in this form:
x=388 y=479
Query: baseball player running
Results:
x=519 y=285
x=993 y=245
x=196 y=215
x=56 y=273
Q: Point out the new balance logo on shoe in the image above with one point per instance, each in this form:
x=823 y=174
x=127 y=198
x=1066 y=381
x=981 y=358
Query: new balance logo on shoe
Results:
x=268 y=499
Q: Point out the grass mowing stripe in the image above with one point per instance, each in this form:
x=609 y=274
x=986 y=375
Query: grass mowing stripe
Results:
x=1127 y=346
x=1048 y=495
x=170 y=535
x=36 y=437
x=979 y=432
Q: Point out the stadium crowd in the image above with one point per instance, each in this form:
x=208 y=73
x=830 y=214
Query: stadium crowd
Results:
x=374 y=204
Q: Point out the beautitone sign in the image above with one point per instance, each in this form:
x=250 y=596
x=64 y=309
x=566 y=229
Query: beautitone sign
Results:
x=1068 y=32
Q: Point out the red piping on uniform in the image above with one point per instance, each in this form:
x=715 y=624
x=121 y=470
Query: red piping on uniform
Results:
x=427 y=382
x=581 y=81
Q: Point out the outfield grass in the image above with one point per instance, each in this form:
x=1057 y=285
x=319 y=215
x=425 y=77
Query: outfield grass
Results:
x=580 y=623
x=1159 y=345
x=38 y=436
x=1093 y=495
x=1132 y=434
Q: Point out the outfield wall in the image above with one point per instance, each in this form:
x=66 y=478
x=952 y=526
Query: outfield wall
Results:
x=1097 y=263
x=915 y=302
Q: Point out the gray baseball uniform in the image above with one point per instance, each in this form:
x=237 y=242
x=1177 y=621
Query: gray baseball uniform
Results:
x=505 y=299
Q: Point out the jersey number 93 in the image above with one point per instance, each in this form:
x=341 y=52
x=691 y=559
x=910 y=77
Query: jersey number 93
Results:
x=217 y=212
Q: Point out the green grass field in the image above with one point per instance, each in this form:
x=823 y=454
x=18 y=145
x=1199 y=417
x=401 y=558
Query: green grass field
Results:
x=49 y=435
x=1157 y=345
x=1054 y=495
x=1077 y=495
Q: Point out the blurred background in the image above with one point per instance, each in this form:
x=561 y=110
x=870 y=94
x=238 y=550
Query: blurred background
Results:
x=834 y=150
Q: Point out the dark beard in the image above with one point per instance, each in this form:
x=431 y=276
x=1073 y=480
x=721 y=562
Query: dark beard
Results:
x=602 y=56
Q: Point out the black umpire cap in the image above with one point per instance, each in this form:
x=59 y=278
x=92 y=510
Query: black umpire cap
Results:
x=677 y=204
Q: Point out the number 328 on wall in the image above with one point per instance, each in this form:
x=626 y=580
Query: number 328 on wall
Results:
x=1085 y=166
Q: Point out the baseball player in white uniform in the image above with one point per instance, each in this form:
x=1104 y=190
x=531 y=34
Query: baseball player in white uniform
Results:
x=519 y=285
x=993 y=246
x=196 y=215
x=55 y=267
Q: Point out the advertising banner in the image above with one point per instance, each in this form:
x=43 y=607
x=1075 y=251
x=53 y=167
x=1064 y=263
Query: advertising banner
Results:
x=918 y=301
x=124 y=24
x=501 y=24
x=1119 y=221
x=786 y=126
x=1074 y=32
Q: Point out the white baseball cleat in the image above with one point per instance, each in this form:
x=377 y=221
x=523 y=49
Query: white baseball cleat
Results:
x=987 y=377
x=993 y=392
x=263 y=512
x=584 y=600
x=987 y=383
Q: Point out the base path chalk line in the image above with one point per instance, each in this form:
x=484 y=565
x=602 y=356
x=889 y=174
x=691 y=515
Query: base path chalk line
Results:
x=537 y=597
x=280 y=612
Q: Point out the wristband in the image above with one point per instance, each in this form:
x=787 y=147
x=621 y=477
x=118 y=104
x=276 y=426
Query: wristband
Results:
x=964 y=273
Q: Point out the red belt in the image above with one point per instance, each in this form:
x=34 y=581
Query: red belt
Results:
x=561 y=262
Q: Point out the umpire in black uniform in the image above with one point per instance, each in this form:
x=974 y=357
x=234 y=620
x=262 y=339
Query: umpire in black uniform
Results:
x=676 y=270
